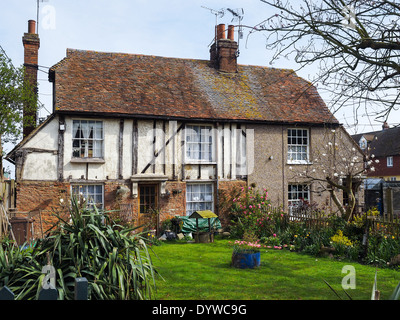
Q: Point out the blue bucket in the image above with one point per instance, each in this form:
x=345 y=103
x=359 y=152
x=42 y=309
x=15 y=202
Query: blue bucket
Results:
x=245 y=260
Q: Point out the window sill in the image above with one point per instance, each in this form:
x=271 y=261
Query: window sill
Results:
x=189 y=162
x=87 y=160
x=299 y=162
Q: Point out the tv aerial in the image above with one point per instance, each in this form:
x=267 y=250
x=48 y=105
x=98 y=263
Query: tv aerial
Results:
x=237 y=17
x=218 y=13
x=236 y=13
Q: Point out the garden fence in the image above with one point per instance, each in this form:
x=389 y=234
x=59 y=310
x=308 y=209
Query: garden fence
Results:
x=311 y=218
x=51 y=293
x=387 y=224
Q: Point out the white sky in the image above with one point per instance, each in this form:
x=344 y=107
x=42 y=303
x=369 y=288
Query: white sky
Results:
x=170 y=28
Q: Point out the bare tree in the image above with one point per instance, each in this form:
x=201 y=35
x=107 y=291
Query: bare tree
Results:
x=355 y=44
x=338 y=166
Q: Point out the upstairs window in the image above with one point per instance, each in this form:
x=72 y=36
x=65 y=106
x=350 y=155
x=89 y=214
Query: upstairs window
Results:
x=198 y=143
x=389 y=161
x=298 y=146
x=87 y=139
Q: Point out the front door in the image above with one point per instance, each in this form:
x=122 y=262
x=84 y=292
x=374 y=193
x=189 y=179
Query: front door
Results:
x=148 y=204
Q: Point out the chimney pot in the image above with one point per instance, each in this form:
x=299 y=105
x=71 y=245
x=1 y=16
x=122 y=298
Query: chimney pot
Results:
x=231 y=32
x=221 y=31
x=385 y=126
x=32 y=26
x=223 y=52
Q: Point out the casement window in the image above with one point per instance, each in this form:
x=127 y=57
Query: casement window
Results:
x=199 y=196
x=298 y=146
x=389 y=161
x=148 y=196
x=198 y=143
x=298 y=193
x=87 y=139
x=92 y=193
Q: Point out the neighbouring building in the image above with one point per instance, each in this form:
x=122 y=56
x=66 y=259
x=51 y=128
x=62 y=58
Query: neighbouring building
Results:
x=382 y=186
x=139 y=133
x=384 y=146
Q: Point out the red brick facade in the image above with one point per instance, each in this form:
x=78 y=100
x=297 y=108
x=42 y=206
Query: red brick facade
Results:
x=383 y=170
x=41 y=200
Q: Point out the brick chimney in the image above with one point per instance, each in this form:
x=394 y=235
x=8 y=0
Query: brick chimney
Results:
x=31 y=48
x=223 y=53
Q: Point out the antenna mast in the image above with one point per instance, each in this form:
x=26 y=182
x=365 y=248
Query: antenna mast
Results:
x=238 y=16
x=218 y=13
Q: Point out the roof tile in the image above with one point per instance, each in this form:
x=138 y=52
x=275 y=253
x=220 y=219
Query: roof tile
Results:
x=98 y=82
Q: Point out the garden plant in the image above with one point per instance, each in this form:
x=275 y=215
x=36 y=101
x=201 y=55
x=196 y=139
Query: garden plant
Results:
x=355 y=240
x=85 y=243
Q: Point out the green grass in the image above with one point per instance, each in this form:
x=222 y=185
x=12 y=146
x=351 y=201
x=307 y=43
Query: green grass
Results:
x=193 y=271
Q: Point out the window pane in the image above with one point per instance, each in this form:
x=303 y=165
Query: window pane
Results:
x=297 y=145
x=198 y=143
x=92 y=194
x=199 y=197
x=148 y=198
x=87 y=138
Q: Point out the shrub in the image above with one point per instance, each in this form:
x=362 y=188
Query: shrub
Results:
x=252 y=210
x=88 y=244
x=381 y=249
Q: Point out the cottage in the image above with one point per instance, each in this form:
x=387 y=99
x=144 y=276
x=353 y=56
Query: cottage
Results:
x=141 y=133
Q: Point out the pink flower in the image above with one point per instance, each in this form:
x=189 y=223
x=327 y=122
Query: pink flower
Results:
x=274 y=234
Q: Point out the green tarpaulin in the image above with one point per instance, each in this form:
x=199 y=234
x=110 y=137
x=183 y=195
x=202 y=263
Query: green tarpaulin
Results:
x=189 y=225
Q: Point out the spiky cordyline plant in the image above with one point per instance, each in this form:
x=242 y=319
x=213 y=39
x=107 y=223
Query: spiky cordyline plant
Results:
x=116 y=263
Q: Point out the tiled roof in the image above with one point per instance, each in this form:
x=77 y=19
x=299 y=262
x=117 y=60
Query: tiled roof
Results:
x=383 y=143
x=128 y=84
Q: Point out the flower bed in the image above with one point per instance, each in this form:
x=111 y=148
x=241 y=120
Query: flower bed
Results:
x=253 y=217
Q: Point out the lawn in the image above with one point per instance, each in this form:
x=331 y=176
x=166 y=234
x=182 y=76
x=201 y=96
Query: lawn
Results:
x=195 y=271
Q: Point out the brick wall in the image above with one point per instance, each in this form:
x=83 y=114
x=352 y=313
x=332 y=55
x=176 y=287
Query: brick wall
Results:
x=227 y=191
x=41 y=200
x=382 y=170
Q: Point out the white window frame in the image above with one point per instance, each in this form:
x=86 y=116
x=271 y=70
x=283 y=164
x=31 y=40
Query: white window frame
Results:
x=199 y=143
x=295 y=196
x=92 y=147
x=295 y=149
x=389 y=161
x=363 y=143
x=89 y=192
x=202 y=201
